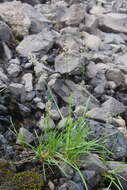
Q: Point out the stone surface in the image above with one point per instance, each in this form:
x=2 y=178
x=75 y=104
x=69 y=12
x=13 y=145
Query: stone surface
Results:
x=24 y=136
x=77 y=94
x=108 y=109
x=112 y=138
x=13 y=14
x=37 y=44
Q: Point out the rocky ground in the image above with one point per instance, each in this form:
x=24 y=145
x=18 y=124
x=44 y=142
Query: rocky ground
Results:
x=78 y=50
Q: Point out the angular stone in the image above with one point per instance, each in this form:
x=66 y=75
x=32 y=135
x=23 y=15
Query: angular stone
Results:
x=24 y=136
x=110 y=137
x=114 y=22
x=76 y=94
x=37 y=44
x=16 y=88
x=108 y=109
x=13 y=70
x=13 y=14
x=28 y=80
x=68 y=63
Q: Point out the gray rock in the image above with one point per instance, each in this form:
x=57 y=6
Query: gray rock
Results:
x=69 y=63
x=28 y=82
x=41 y=83
x=7 y=51
x=74 y=14
x=77 y=94
x=37 y=44
x=3 y=77
x=113 y=39
x=38 y=20
x=62 y=123
x=115 y=75
x=92 y=162
x=80 y=111
x=110 y=137
x=108 y=109
x=45 y=123
x=5 y=32
x=15 y=17
x=41 y=105
x=92 y=42
x=13 y=70
x=121 y=62
x=91 y=23
x=54 y=114
x=2 y=140
x=24 y=110
x=67 y=171
x=24 y=136
x=114 y=22
x=16 y=88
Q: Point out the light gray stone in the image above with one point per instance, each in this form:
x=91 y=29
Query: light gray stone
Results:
x=28 y=82
x=37 y=44
x=24 y=136
x=114 y=22
x=108 y=109
x=13 y=14
x=16 y=88
x=13 y=70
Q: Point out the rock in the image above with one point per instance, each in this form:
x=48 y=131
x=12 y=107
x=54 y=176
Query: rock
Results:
x=41 y=83
x=54 y=114
x=113 y=22
x=91 y=23
x=3 y=77
x=16 y=88
x=24 y=136
x=121 y=62
x=37 y=44
x=92 y=42
x=80 y=111
x=120 y=121
x=62 y=122
x=13 y=14
x=71 y=185
x=98 y=10
x=7 y=51
x=28 y=81
x=41 y=105
x=113 y=39
x=24 y=110
x=121 y=171
x=45 y=123
x=2 y=140
x=5 y=32
x=115 y=75
x=77 y=94
x=67 y=171
x=38 y=20
x=74 y=14
x=13 y=70
x=112 y=138
x=108 y=109
x=92 y=162
x=69 y=63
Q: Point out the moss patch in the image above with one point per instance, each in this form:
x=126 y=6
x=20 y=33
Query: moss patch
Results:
x=27 y=180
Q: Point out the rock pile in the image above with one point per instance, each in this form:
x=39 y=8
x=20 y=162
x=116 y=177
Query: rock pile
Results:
x=70 y=51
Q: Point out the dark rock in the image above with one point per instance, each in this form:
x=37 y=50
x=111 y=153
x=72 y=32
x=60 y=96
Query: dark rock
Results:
x=112 y=138
x=77 y=93
x=108 y=109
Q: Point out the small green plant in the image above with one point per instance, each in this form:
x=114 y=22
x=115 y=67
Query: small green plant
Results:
x=67 y=146
x=114 y=178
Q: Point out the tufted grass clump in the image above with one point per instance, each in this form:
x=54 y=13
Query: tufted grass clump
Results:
x=27 y=180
